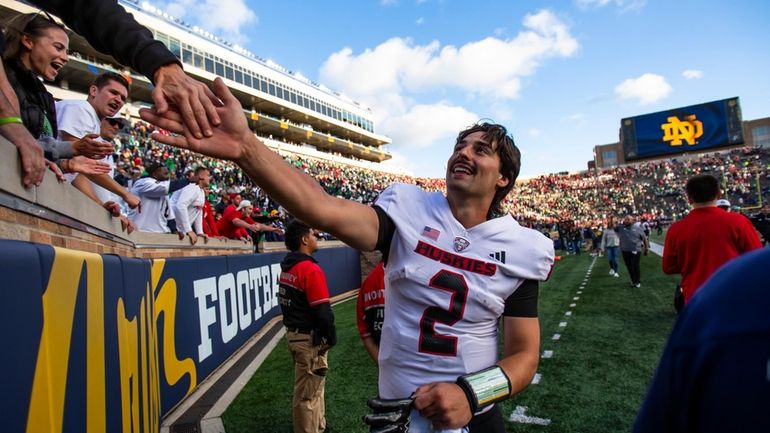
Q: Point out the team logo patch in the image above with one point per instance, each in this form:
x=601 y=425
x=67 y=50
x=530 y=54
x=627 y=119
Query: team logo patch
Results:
x=461 y=244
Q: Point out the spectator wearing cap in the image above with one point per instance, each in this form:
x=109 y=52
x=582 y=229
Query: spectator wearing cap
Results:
x=723 y=204
x=108 y=132
x=236 y=222
x=707 y=238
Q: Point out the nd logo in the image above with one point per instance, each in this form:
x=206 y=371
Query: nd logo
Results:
x=677 y=130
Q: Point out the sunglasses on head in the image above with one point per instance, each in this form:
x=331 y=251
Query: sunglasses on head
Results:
x=44 y=15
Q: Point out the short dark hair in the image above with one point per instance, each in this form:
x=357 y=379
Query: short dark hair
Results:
x=510 y=160
x=105 y=77
x=200 y=169
x=153 y=167
x=33 y=25
x=293 y=234
x=702 y=188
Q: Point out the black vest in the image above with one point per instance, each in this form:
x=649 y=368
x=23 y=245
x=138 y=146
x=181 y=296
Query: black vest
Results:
x=35 y=102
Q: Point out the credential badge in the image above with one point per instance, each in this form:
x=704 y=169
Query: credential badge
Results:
x=461 y=244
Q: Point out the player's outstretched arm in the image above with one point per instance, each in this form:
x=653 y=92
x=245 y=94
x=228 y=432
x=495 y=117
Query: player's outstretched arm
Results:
x=352 y=222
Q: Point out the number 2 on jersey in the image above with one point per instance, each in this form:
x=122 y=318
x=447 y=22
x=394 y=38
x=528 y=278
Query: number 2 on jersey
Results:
x=430 y=341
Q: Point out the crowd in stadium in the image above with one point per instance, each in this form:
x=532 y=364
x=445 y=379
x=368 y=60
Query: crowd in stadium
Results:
x=567 y=204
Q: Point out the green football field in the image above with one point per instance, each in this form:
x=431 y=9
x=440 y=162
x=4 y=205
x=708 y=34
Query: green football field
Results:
x=593 y=381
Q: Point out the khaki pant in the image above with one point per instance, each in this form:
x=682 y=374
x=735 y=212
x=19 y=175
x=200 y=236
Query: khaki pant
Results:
x=310 y=367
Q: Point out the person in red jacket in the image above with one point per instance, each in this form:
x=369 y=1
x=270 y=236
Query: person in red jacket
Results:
x=309 y=321
x=370 y=310
x=209 y=222
x=707 y=238
x=236 y=222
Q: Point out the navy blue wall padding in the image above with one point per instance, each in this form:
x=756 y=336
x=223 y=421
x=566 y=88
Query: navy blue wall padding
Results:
x=217 y=305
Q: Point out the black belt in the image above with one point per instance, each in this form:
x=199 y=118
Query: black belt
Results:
x=299 y=331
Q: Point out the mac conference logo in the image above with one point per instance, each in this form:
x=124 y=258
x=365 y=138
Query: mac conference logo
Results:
x=689 y=130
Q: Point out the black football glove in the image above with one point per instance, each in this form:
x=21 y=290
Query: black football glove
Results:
x=390 y=416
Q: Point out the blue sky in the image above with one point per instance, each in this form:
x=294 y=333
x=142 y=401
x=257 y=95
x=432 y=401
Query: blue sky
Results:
x=559 y=74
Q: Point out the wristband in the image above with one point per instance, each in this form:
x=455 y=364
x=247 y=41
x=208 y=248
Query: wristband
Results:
x=485 y=387
x=9 y=120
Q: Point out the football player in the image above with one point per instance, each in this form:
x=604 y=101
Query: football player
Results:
x=454 y=265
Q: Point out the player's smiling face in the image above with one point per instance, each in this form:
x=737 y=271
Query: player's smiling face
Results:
x=475 y=165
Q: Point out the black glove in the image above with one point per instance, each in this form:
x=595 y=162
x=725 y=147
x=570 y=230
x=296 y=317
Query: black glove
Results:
x=390 y=416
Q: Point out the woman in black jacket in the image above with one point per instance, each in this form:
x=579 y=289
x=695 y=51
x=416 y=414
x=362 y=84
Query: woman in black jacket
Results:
x=36 y=47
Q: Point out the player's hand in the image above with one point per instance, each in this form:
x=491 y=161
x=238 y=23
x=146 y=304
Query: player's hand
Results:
x=389 y=416
x=191 y=98
x=92 y=147
x=227 y=140
x=444 y=404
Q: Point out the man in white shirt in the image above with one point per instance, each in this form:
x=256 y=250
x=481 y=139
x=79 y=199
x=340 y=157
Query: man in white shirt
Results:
x=188 y=206
x=78 y=118
x=109 y=130
x=153 y=191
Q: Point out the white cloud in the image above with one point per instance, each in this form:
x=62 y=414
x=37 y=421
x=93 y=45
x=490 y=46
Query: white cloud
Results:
x=692 y=74
x=398 y=78
x=222 y=17
x=490 y=67
x=623 y=5
x=420 y=21
x=425 y=124
x=499 y=32
x=647 y=89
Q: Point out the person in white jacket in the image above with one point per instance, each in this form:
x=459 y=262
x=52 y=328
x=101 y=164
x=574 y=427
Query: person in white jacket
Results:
x=153 y=191
x=188 y=206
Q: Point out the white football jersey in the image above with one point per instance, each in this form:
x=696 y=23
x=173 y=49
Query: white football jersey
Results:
x=445 y=288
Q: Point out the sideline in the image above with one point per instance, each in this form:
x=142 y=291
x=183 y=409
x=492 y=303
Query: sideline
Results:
x=519 y=414
x=202 y=410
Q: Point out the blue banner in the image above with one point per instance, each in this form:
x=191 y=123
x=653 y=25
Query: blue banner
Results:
x=689 y=129
x=108 y=343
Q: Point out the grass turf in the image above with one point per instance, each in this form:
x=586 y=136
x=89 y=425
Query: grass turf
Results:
x=595 y=380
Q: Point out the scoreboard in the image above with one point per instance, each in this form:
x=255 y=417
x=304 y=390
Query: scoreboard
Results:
x=688 y=129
